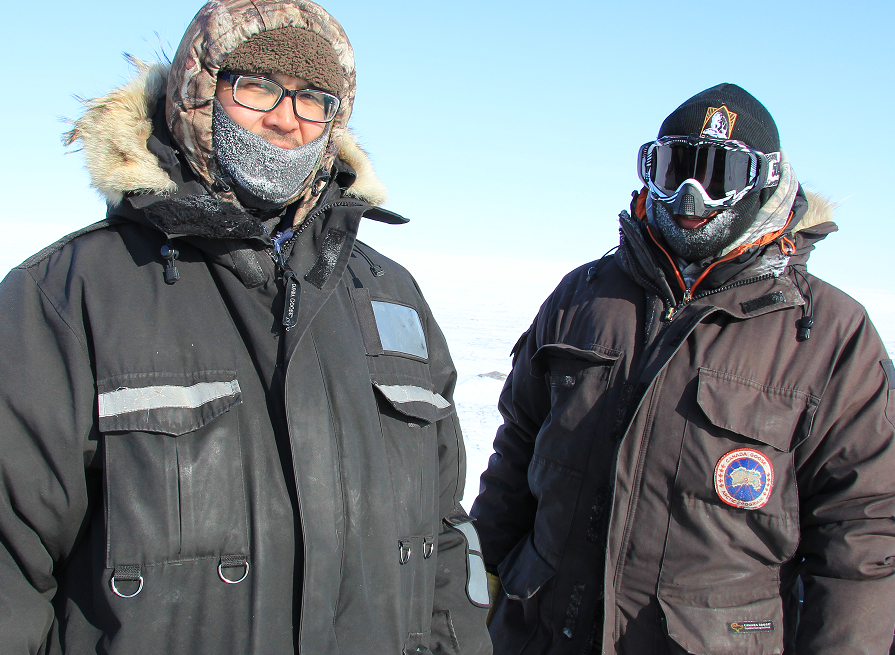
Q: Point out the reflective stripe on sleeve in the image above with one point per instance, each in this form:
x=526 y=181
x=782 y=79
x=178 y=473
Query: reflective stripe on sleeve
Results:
x=477 y=583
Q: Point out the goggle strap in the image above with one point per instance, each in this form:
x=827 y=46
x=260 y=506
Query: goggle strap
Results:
x=642 y=161
x=770 y=169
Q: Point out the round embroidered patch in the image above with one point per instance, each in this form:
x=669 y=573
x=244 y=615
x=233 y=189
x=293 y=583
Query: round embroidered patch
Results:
x=744 y=478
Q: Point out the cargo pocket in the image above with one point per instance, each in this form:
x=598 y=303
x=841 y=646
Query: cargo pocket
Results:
x=578 y=380
x=524 y=619
x=734 y=515
x=754 y=627
x=408 y=411
x=173 y=481
x=409 y=405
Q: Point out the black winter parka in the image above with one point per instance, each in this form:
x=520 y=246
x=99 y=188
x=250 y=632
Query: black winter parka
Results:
x=181 y=474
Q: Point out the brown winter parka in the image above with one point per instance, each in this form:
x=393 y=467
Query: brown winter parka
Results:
x=601 y=510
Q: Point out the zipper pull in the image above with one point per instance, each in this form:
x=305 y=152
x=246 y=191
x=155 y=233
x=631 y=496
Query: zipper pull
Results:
x=290 y=309
x=278 y=242
x=672 y=311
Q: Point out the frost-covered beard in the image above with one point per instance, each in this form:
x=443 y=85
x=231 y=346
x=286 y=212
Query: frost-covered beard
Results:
x=693 y=245
x=265 y=176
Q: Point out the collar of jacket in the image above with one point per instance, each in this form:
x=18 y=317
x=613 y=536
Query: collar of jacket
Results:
x=136 y=165
x=638 y=259
x=646 y=258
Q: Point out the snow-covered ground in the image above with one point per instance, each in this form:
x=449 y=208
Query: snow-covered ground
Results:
x=482 y=305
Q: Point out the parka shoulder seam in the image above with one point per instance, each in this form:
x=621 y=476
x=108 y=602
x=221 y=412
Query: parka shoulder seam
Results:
x=58 y=245
x=56 y=308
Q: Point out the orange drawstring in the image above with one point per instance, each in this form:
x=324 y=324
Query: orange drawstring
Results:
x=680 y=280
x=787 y=247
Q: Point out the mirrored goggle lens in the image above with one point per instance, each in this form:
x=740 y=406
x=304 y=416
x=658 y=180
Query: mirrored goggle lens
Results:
x=720 y=171
x=263 y=95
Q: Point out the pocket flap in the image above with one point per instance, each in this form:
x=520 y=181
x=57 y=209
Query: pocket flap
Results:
x=755 y=628
x=595 y=355
x=523 y=571
x=415 y=401
x=760 y=412
x=166 y=403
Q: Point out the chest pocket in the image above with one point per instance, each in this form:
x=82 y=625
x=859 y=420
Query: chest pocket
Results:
x=174 y=482
x=409 y=405
x=734 y=515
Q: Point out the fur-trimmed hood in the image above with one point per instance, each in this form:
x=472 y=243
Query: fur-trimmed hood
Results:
x=820 y=210
x=114 y=129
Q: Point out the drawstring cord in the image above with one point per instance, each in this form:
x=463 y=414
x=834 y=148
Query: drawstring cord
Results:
x=170 y=254
x=807 y=321
x=375 y=268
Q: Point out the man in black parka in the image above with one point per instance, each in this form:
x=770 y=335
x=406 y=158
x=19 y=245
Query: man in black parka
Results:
x=227 y=425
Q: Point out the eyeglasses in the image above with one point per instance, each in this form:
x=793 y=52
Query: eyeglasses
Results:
x=724 y=170
x=262 y=94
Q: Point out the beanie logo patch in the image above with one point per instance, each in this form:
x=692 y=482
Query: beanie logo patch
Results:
x=718 y=122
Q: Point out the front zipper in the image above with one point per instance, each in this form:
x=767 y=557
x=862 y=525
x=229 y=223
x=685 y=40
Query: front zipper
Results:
x=281 y=249
x=290 y=280
x=688 y=297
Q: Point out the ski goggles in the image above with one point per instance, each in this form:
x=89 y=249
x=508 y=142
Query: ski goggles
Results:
x=722 y=170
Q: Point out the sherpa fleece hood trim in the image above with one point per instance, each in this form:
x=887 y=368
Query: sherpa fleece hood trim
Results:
x=114 y=128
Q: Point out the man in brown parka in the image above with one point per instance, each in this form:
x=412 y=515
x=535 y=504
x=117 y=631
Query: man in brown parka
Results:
x=698 y=447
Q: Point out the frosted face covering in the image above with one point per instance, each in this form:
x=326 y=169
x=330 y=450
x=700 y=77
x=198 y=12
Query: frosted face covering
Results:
x=265 y=176
x=697 y=244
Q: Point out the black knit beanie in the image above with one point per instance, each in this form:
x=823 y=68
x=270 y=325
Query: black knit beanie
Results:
x=290 y=51
x=726 y=112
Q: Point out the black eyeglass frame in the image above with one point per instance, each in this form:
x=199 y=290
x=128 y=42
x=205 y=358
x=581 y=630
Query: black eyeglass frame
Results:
x=233 y=78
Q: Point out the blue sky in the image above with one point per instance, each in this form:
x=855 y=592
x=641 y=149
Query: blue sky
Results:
x=507 y=128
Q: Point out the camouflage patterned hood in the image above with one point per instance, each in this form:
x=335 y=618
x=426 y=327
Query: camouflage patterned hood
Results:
x=114 y=128
x=217 y=30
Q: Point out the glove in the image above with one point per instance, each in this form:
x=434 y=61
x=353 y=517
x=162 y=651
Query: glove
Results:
x=494 y=589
